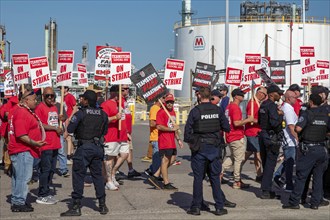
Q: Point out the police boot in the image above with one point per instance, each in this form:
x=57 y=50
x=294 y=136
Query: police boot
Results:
x=74 y=210
x=103 y=209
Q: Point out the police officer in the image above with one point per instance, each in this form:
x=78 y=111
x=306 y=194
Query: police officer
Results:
x=270 y=121
x=313 y=124
x=202 y=133
x=89 y=125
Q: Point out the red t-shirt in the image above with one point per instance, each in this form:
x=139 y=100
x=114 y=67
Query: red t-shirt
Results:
x=70 y=102
x=23 y=123
x=128 y=116
x=49 y=116
x=4 y=125
x=166 y=139
x=252 y=130
x=111 y=108
x=297 y=106
x=234 y=113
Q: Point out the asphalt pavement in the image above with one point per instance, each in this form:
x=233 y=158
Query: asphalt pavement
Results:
x=137 y=199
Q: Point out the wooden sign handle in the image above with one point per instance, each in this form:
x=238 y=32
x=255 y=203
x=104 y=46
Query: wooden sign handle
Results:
x=168 y=114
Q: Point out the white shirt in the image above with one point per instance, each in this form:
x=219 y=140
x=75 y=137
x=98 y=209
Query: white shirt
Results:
x=290 y=118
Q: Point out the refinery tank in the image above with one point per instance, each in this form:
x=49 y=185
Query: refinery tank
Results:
x=203 y=40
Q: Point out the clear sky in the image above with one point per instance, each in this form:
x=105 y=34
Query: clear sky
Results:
x=143 y=27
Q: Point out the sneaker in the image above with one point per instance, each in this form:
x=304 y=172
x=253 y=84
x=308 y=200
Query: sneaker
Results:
x=115 y=182
x=146 y=159
x=133 y=173
x=69 y=162
x=148 y=172
x=86 y=184
x=258 y=179
x=111 y=186
x=22 y=208
x=65 y=174
x=279 y=181
x=170 y=187
x=176 y=162
x=240 y=185
x=154 y=181
x=48 y=200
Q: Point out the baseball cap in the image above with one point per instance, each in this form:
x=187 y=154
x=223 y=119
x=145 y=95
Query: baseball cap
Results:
x=89 y=95
x=217 y=93
x=114 y=88
x=223 y=87
x=294 y=87
x=169 y=97
x=236 y=92
x=274 y=88
x=317 y=90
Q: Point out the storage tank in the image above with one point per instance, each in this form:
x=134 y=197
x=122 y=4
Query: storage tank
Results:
x=204 y=40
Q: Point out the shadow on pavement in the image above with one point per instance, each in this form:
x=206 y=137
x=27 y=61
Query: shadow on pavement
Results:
x=180 y=199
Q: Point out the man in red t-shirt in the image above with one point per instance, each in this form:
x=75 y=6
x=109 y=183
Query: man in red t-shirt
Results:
x=48 y=114
x=252 y=130
x=25 y=141
x=115 y=140
x=128 y=117
x=70 y=103
x=297 y=105
x=167 y=133
x=235 y=138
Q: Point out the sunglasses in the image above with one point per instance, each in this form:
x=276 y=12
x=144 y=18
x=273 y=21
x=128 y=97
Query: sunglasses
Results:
x=49 y=96
x=170 y=102
x=31 y=93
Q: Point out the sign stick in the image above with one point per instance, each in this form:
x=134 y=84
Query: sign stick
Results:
x=252 y=103
x=309 y=86
x=168 y=114
x=120 y=110
x=62 y=101
x=23 y=88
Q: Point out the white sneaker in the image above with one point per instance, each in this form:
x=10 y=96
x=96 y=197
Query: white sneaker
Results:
x=115 y=181
x=111 y=186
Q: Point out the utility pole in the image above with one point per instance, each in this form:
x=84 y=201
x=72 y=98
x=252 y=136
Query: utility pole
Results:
x=266 y=45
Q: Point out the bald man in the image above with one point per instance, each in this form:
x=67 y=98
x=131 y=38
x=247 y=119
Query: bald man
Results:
x=290 y=140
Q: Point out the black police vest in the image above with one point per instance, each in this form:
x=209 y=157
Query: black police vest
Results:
x=209 y=119
x=92 y=124
x=263 y=117
x=316 y=129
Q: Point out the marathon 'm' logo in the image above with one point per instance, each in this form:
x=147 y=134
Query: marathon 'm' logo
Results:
x=199 y=43
x=210 y=116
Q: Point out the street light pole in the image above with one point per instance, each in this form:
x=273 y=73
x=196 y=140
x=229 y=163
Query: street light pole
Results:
x=9 y=58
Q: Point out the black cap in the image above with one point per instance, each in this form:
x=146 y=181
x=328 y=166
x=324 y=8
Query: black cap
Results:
x=114 y=88
x=294 y=87
x=236 y=92
x=90 y=96
x=274 y=88
x=223 y=87
x=318 y=89
x=216 y=92
x=196 y=89
x=316 y=99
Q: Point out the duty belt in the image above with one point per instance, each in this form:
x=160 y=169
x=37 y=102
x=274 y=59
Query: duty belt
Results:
x=314 y=144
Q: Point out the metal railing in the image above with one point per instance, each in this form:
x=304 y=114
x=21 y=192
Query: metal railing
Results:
x=254 y=19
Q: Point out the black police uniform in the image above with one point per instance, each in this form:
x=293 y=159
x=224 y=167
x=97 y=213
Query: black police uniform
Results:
x=89 y=126
x=270 y=141
x=202 y=132
x=313 y=155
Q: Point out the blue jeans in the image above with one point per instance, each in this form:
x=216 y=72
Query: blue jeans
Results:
x=287 y=165
x=61 y=157
x=47 y=169
x=22 y=172
x=156 y=161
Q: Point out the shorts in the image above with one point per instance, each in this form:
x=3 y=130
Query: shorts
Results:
x=130 y=143
x=115 y=148
x=252 y=144
x=167 y=152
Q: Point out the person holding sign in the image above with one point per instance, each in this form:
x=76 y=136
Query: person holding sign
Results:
x=252 y=130
x=48 y=114
x=25 y=141
x=115 y=140
x=167 y=133
x=235 y=138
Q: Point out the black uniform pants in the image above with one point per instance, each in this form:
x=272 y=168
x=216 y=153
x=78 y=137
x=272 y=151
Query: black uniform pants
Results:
x=207 y=155
x=269 y=160
x=315 y=160
x=88 y=155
